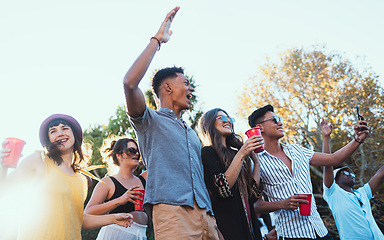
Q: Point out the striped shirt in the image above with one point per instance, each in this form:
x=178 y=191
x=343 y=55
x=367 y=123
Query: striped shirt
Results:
x=280 y=184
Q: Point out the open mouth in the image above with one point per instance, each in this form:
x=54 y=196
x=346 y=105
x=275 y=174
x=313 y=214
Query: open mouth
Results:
x=189 y=96
x=61 y=141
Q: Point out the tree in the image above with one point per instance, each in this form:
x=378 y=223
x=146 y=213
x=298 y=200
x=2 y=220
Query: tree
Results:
x=309 y=84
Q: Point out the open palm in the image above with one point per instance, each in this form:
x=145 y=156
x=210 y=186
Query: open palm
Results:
x=326 y=128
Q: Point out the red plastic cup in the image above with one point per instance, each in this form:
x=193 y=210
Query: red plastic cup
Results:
x=255 y=131
x=139 y=207
x=16 y=146
x=305 y=209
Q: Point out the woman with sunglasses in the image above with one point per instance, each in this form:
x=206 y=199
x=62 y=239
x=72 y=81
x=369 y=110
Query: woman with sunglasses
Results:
x=231 y=180
x=118 y=193
x=49 y=192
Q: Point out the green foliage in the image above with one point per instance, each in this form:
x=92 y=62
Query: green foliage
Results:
x=89 y=234
x=95 y=137
x=119 y=124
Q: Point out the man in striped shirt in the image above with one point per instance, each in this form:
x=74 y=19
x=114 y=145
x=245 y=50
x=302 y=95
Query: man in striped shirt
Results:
x=285 y=173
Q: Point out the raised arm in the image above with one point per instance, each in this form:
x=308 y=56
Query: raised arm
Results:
x=376 y=180
x=338 y=157
x=326 y=130
x=135 y=100
x=30 y=167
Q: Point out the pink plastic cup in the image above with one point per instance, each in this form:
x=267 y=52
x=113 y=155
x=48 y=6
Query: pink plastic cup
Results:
x=139 y=207
x=16 y=146
x=305 y=209
x=255 y=131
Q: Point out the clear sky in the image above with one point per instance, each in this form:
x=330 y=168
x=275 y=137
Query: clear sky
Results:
x=70 y=56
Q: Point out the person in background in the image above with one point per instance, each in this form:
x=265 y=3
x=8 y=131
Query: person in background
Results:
x=350 y=208
x=176 y=196
x=118 y=193
x=267 y=224
x=267 y=230
x=50 y=191
x=232 y=183
x=285 y=173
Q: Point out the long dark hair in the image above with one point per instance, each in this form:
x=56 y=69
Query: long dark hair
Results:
x=54 y=152
x=226 y=153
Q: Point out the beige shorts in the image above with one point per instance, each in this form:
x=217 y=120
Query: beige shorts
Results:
x=183 y=222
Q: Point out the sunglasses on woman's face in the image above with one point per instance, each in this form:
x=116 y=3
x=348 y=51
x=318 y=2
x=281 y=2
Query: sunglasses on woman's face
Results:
x=132 y=151
x=225 y=118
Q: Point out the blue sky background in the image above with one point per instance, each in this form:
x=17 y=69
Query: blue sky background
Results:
x=70 y=56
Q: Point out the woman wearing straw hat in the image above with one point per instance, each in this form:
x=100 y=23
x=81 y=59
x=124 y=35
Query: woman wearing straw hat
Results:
x=50 y=188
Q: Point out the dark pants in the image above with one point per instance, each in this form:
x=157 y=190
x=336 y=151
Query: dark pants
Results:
x=326 y=237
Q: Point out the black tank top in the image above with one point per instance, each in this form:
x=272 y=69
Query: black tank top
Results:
x=120 y=190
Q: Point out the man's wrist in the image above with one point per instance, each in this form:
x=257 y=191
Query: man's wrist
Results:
x=360 y=142
x=158 y=42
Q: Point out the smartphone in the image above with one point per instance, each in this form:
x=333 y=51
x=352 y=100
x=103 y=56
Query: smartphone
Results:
x=358 y=113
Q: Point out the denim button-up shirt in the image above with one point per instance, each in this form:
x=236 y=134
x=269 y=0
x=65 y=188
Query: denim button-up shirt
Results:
x=172 y=155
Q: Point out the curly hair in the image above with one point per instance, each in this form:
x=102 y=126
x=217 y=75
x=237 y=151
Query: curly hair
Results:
x=161 y=75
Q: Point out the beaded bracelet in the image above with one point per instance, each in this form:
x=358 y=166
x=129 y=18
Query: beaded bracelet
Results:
x=158 y=41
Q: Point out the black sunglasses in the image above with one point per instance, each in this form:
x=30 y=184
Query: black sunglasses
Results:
x=132 y=151
x=225 y=118
x=276 y=119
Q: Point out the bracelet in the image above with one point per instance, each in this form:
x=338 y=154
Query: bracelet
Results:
x=158 y=41
x=357 y=141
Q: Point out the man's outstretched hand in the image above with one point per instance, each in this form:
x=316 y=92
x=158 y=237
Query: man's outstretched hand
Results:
x=326 y=128
x=164 y=33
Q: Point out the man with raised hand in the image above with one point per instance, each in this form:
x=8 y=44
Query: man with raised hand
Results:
x=176 y=195
x=351 y=209
x=285 y=174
